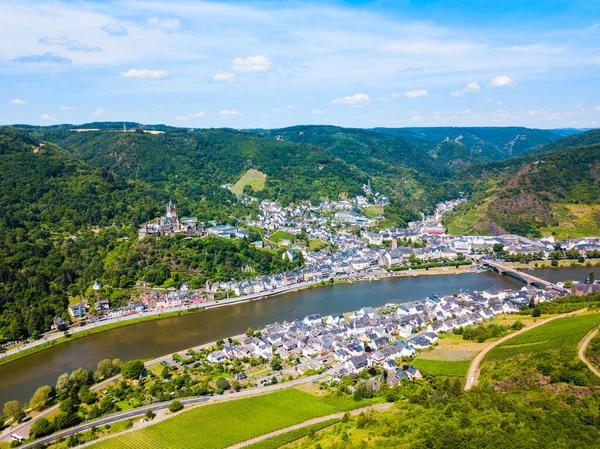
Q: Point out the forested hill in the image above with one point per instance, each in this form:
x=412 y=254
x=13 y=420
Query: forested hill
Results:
x=488 y=143
x=553 y=191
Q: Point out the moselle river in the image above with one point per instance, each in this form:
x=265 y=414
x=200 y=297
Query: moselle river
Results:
x=19 y=379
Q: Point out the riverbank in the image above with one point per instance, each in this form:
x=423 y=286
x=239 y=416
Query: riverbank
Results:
x=58 y=338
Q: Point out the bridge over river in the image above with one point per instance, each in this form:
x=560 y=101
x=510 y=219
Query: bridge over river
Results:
x=520 y=275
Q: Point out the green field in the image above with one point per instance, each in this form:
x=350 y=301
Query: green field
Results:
x=451 y=368
x=317 y=244
x=223 y=424
x=373 y=211
x=252 y=178
x=562 y=334
x=291 y=436
x=280 y=235
x=574 y=220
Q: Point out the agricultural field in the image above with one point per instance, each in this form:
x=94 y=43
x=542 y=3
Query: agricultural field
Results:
x=291 y=436
x=450 y=368
x=252 y=178
x=317 y=244
x=226 y=423
x=562 y=334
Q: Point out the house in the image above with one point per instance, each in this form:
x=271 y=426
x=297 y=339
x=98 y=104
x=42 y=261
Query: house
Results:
x=216 y=357
x=102 y=304
x=97 y=284
x=413 y=372
x=312 y=319
x=77 y=310
x=396 y=378
x=59 y=324
x=358 y=363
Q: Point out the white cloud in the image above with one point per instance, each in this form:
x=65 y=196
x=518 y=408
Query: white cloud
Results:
x=67 y=108
x=502 y=81
x=46 y=117
x=47 y=58
x=98 y=112
x=318 y=112
x=353 y=100
x=472 y=87
x=252 y=64
x=417 y=118
x=62 y=40
x=229 y=113
x=84 y=47
x=197 y=114
x=224 y=76
x=181 y=118
x=18 y=101
x=415 y=93
x=289 y=107
x=168 y=25
x=597 y=108
x=145 y=74
x=112 y=29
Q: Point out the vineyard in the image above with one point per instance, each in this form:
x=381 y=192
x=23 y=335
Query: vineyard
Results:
x=226 y=423
x=291 y=436
x=562 y=334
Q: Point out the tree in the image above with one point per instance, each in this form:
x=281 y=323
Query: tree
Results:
x=41 y=397
x=498 y=248
x=537 y=312
x=222 y=383
x=14 y=410
x=568 y=283
x=79 y=378
x=133 y=369
x=249 y=332
x=65 y=420
x=175 y=406
x=150 y=414
x=41 y=428
x=62 y=385
x=104 y=370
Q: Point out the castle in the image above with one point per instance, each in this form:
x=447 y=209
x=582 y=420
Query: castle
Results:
x=169 y=224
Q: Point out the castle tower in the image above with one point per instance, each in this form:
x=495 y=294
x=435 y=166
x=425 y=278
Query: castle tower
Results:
x=171 y=211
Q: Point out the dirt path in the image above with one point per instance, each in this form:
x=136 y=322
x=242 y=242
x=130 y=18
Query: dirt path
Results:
x=582 y=346
x=474 y=371
x=378 y=407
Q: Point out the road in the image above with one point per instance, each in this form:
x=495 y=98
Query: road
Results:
x=141 y=411
x=378 y=407
x=582 y=346
x=474 y=371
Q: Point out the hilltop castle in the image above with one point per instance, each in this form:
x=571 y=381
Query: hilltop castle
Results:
x=169 y=224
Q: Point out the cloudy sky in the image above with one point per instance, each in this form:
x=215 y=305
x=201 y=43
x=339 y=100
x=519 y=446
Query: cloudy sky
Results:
x=277 y=63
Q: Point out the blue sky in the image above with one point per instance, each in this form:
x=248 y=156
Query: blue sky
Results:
x=274 y=63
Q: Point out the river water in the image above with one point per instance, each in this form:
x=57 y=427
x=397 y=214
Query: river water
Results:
x=19 y=379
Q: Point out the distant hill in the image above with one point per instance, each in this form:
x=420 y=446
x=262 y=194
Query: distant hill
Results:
x=554 y=191
x=490 y=143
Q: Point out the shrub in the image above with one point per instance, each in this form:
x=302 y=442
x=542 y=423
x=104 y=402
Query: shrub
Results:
x=175 y=406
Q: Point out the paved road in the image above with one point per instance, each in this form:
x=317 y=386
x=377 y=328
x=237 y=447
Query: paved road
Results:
x=474 y=371
x=582 y=346
x=141 y=411
x=379 y=407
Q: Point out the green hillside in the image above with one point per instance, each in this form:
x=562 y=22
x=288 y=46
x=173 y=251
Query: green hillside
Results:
x=553 y=191
x=491 y=143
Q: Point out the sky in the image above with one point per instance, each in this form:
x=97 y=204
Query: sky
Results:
x=271 y=64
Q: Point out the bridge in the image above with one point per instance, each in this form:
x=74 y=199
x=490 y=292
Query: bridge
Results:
x=529 y=279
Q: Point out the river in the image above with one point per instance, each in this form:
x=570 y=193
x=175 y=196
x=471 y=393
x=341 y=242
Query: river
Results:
x=19 y=379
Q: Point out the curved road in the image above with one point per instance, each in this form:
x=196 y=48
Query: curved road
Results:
x=474 y=371
x=582 y=347
x=141 y=411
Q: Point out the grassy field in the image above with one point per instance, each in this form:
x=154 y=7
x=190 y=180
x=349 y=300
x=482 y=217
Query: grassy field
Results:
x=373 y=211
x=562 y=334
x=252 y=178
x=317 y=244
x=574 y=220
x=451 y=368
x=91 y=331
x=289 y=437
x=280 y=235
x=222 y=424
